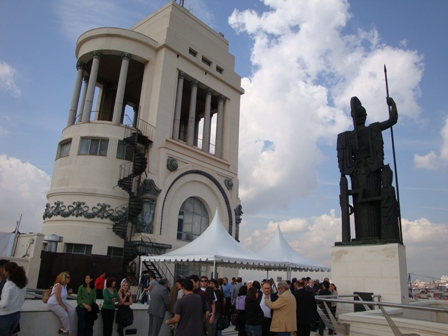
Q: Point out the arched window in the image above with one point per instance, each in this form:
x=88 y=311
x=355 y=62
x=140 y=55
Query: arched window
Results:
x=192 y=220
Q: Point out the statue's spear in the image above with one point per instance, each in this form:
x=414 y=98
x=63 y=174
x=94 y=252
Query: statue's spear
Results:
x=395 y=161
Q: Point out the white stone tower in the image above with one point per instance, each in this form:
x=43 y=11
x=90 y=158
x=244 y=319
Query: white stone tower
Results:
x=150 y=150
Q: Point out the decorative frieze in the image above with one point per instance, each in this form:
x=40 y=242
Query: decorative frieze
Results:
x=80 y=209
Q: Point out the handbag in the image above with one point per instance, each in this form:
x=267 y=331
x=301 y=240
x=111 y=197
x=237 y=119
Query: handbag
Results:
x=46 y=295
x=222 y=323
x=235 y=319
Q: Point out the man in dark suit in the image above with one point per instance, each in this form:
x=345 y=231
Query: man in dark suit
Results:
x=267 y=319
x=158 y=305
x=306 y=309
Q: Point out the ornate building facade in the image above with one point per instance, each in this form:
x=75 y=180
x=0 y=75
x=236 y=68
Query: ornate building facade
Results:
x=150 y=150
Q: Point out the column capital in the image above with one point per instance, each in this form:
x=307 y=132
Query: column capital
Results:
x=80 y=65
x=194 y=83
x=127 y=56
x=97 y=54
x=182 y=74
x=209 y=91
x=221 y=98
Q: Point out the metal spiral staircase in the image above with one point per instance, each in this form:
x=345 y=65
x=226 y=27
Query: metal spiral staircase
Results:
x=130 y=174
x=139 y=139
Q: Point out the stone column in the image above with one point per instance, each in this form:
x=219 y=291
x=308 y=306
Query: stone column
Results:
x=196 y=133
x=76 y=92
x=91 y=87
x=192 y=113
x=83 y=99
x=118 y=107
x=136 y=117
x=207 y=122
x=220 y=126
x=180 y=88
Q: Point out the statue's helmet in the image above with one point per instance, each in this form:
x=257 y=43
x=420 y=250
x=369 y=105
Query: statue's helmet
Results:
x=358 y=111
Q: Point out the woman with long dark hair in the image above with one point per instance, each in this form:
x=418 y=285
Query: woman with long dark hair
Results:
x=85 y=297
x=110 y=296
x=254 y=314
x=57 y=303
x=13 y=296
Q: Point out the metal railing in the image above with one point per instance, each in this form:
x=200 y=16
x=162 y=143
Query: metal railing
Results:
x=139 y=126
x=163 y=269
x=342 y=328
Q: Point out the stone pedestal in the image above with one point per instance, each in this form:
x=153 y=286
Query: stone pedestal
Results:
x=379 y=269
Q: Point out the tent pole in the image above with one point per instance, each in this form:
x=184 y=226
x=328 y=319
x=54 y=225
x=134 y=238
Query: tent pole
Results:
x=214 y=269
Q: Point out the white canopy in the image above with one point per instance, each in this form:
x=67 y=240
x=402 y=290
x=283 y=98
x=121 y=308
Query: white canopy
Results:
x=279 y=250
x=215 y=245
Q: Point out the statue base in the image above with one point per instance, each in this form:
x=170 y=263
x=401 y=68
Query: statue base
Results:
x=371 y=241
x=377 y=269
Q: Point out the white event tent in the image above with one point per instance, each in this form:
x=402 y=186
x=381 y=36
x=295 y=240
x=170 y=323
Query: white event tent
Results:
x=279 y=250
x=216 y=246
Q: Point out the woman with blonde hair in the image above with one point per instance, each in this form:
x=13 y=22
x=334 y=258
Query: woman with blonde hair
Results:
x=12 y=297
x=57 y=303
x=124 y=313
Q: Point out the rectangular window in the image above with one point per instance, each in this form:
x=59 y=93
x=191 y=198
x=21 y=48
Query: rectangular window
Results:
x=192 y=52
x=78 y=249
x=206 y=61
x=90 y=146
x=219 y=69
x=124 y=151
x=64 y=149
x=114 y=252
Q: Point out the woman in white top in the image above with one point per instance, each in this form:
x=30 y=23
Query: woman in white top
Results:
x=13 y=296
x=57 y=303
x=334 y=291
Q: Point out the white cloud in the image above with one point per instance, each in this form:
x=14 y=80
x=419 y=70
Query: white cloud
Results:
x=425 y=245
x=23 y=192
x=304 y=72
x=432 y=160
x=7 y=79
x=77 y=17
x=313 y=238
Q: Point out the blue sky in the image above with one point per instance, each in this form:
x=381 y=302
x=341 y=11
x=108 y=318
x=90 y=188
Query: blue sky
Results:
x=301 y=61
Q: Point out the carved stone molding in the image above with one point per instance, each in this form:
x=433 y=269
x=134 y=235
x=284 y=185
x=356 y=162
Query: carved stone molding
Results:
x=172 y=164
x=80 y=209
x=228 y=182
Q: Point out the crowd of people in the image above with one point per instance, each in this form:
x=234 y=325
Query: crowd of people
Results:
x=115 y=306
x=196 y=305
x=255 y=308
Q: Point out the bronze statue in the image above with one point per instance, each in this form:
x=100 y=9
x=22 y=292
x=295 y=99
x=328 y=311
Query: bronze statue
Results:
x=361 y=156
